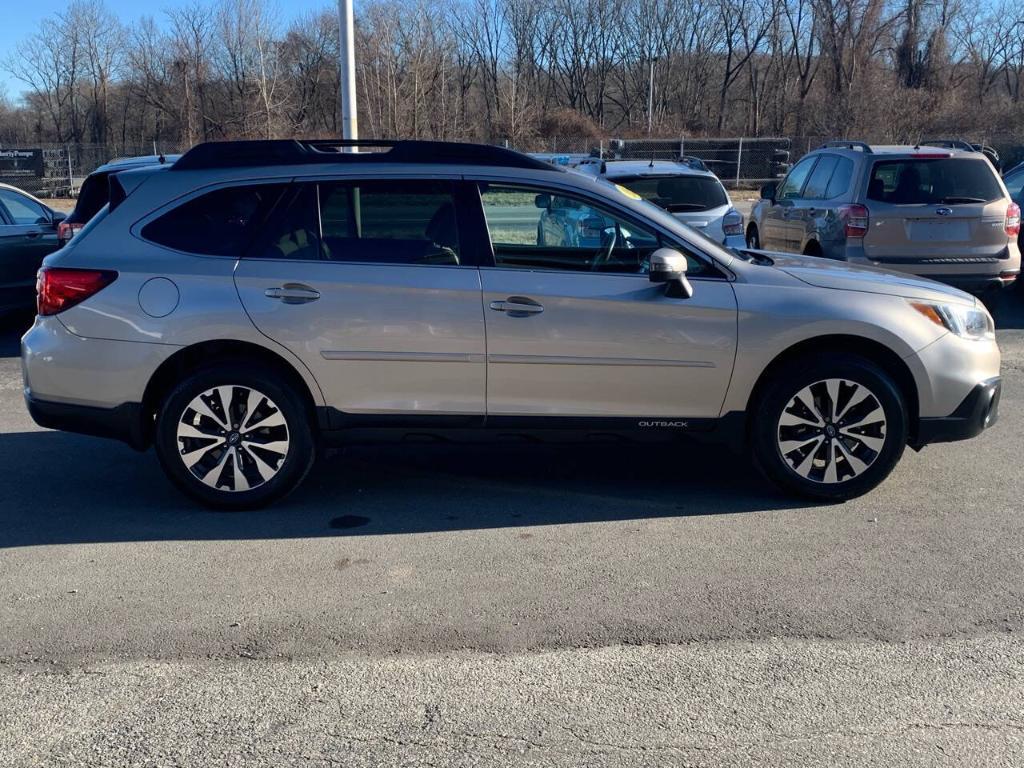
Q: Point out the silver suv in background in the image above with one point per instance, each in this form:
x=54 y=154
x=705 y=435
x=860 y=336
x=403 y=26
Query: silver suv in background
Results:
x=939 y=213
x=685 y=188
x=256 y=299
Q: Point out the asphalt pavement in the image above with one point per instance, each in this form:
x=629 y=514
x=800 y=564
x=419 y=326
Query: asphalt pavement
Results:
x=517 y=605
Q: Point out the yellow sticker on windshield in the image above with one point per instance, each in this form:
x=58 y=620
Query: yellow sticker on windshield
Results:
x=628 y=192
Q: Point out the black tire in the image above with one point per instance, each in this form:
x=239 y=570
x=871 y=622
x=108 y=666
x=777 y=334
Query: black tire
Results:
x=753 y=238
x=812 y=249
x=833 y=483
x=280 y=402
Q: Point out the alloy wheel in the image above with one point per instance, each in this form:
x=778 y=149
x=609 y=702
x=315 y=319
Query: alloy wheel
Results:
x=831 y=431
x=233 y=438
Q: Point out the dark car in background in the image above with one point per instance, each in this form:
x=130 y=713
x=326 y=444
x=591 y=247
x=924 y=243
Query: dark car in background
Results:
x=28 y=233
x=95 y=191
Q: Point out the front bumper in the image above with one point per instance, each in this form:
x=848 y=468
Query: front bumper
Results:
x=978 y=411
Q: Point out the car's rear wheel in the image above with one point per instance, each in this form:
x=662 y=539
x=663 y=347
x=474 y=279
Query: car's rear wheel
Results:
x=234 y=437
x=753 y=238
x=831 y=427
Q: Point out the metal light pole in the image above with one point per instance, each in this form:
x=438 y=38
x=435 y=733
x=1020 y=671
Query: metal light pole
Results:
x=347 y=50
x=650 y=98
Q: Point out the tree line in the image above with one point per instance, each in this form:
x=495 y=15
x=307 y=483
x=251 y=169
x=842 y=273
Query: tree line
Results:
x=523 y=70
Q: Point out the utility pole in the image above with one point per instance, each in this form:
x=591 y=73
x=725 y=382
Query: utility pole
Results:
x=347 y=50
x=650 y=98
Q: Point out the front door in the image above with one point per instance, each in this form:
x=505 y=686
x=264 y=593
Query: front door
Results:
x=27 y=236
x=783 y=230
x=368 y=283
x=577 y=329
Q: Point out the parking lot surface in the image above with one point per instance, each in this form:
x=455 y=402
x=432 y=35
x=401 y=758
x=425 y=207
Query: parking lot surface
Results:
x=529 y=605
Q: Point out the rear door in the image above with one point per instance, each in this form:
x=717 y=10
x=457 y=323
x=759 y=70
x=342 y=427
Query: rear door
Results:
x=27 y=236
x=373 y=286
x=935 y=210
x=580 y=331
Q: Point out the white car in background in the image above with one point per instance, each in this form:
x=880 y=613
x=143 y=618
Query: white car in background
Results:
x=684 y=188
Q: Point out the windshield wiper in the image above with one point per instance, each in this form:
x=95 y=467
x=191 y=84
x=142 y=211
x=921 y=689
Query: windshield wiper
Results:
x=953 y=199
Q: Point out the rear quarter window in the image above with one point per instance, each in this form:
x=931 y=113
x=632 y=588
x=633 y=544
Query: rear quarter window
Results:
x=218 y=223
x=921 y=181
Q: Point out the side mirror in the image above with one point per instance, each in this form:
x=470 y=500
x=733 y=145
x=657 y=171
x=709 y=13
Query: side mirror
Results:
x=669 y=266
x=56 y=217
x=542 y=201
x=768 y=191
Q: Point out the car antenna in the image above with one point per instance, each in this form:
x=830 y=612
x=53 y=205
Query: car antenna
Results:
x=161 y=159
x=652 y=161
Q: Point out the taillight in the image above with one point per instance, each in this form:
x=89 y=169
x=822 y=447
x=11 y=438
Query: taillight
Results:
x=732 y=222
x=1012 y=223
x=59 y=288
x=67 y=230
x=855 y=220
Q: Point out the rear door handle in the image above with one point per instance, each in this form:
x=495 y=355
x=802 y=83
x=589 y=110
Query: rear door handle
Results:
x=517 y=306
x=293 y=293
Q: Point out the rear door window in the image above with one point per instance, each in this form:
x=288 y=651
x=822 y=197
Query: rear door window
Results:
x=817 y=184
x=677 y=194
x=220 y=223
x=371 y=222
x=921 y=181
x=839 y=184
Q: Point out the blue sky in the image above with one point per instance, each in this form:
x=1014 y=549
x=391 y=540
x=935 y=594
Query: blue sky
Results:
x=21 y=18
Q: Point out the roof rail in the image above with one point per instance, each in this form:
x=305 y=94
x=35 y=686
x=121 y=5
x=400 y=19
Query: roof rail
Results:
x=863 y=146
x=950 y=144
x=693 y=162
x=240 y=154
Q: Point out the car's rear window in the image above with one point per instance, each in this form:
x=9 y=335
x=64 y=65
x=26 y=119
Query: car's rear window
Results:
x=920 y=181
x=677 y=194
x=219 y=223
x=94 y=194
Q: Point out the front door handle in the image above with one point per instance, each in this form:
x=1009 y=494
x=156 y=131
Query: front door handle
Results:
x=517 y=306
x=33 y=235
x=293 y=293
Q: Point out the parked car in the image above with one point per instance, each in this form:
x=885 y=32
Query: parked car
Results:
x=260 y=298
x=95 y=191
x=1013 y=180
x=937 y=213
x=684 y=188
x=28 y=232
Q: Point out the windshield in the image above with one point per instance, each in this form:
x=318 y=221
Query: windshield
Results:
x=94 y=194
x=933 y=182
x=668 y=222
x=677 y=194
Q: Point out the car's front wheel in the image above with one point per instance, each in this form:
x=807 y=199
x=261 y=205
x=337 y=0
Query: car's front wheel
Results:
x=234 y=437
x=830 y=427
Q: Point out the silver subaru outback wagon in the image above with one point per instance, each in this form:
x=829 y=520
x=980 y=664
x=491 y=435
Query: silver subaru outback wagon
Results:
x=257 y=299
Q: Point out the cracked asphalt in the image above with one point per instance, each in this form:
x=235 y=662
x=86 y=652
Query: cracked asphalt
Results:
x=521 y=605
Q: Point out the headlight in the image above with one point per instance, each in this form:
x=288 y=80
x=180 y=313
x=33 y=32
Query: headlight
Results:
x=966 y=322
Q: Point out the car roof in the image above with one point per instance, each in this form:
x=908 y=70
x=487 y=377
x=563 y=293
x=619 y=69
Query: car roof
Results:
x=124 y=163
x=617 y=168
x=860 y=149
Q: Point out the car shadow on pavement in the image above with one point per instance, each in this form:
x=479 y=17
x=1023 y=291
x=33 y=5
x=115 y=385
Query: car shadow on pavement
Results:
x=59 y=488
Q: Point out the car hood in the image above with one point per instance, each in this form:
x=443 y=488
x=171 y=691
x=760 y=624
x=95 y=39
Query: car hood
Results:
x=826 y=273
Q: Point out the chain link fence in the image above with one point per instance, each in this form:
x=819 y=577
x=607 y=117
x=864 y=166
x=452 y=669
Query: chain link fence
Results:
x=738 y=162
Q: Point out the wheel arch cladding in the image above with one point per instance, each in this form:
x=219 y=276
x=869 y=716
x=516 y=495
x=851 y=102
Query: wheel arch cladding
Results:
x=871 y=350
x=197 y=356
